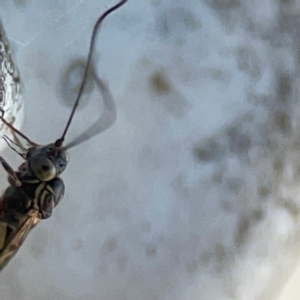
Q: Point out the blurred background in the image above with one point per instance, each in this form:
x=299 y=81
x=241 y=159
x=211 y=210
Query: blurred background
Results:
x=194 y=192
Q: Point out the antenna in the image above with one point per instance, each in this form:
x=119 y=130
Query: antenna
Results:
x=60 y=141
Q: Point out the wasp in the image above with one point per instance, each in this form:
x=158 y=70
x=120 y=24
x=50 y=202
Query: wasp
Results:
x=36 y=188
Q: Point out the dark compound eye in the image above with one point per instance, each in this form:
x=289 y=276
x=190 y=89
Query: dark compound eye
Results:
x=43 y=168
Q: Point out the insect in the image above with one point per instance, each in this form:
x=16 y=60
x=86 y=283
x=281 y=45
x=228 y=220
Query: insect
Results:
x=35 y=189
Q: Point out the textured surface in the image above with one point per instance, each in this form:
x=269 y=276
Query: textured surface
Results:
x=10 y=91
x=194 y=192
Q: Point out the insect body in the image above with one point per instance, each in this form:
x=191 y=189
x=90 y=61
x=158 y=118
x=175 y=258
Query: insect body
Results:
x=35 y=189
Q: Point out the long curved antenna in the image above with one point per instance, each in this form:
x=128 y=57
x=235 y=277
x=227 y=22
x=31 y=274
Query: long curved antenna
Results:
x=107 y=118
x=60 y=141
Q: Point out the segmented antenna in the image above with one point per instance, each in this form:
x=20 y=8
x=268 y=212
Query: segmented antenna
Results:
x=60 y=141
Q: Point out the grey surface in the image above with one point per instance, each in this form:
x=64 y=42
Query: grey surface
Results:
x=193 y=193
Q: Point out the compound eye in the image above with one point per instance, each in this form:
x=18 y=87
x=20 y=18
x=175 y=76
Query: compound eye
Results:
x=43 y=168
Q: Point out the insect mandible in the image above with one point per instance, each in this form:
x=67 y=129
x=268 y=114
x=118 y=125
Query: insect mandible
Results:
x=35 y=189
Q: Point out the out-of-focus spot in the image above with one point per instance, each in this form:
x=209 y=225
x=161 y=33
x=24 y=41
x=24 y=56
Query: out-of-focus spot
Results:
x=109 y=246
x=207 y=152
x=248 y=61
x=282 y=122
x=151 y=251
x=71 y=81
x=167 y=94
x=160 y=83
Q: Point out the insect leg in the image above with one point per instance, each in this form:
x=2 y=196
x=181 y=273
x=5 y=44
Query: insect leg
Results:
x=23 y=167
x=31 y=143
x=18 y=142
x=12 y=174
x=8 y=141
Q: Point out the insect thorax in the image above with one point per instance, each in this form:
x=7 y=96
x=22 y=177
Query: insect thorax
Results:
x=42 y=196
